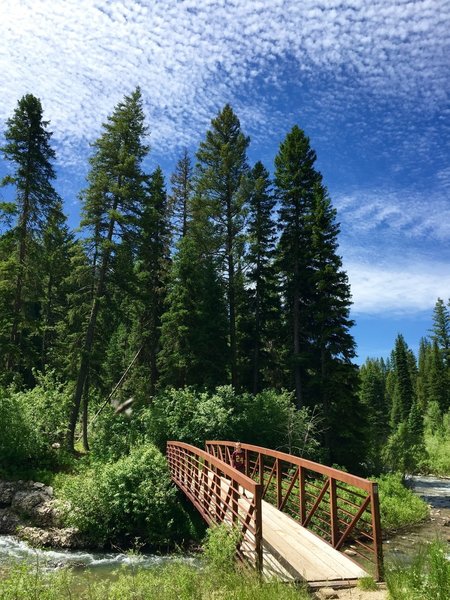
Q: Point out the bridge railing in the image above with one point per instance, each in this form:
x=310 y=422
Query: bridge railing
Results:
x=340 y=508
x=221 y=495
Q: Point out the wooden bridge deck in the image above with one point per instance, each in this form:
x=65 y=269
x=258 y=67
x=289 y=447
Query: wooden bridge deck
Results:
x=293 y=553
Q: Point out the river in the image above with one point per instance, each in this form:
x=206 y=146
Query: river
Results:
x=399 y=547
x=402 y=546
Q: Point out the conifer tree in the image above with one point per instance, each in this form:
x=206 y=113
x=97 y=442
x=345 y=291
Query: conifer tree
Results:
x=153 y=263
x=221 y=170
x=28 y=149
x=114 y=193
x=194 y=325
x=296 y=180
x=182 y=188
x=264 y=303
x=441 y=329
x=57 y=251
x=403 y=387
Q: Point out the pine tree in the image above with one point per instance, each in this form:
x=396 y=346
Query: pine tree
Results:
x=194 y=325
x=57 y=250
x=114 y=193
x=403 y=388
x=28 y=148
x=373 y=399
x=441 y=329
x=296 y=180
x=153 y=263
x=332 y=344
x=182 y=189
x=264 y=303
x=221 y=171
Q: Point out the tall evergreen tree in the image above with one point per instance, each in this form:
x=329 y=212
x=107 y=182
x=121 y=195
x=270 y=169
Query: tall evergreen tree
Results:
x=28 y=148
x=441 y=329
x=403 y=386
x=57 y=251
x=194 y=326
x=373 y=399
x=221 y=170
x=114 y=193
x=296 y=180
x=264 y=303
x=182 y=189
x=153 y=263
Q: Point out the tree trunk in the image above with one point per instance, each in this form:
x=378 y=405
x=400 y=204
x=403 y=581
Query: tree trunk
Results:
x=89 y=341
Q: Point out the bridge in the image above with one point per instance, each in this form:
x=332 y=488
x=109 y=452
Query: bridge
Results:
x=298 y=520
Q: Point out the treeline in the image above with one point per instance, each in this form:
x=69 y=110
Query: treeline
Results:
x=231 y=278
x=407 y=403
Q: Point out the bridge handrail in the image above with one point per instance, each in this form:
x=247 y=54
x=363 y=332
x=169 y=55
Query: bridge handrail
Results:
x=355 y=480
x=214 y=487
x=339 y=507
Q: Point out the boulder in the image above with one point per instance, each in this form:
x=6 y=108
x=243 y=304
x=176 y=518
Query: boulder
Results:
x=68 y=537
x=9 y=521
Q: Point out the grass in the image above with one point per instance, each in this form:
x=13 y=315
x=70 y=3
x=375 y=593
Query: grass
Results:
x=177 y=581
x=428 y=577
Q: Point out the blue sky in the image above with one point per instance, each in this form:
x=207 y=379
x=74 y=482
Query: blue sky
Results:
x=367 y=80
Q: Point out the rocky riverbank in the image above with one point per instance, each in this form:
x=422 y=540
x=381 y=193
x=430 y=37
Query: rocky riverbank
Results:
x=29 y=511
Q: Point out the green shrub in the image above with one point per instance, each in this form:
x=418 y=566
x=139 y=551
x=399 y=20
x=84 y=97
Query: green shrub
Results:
x=437 y=441
x=428 y=577
x=21 y=442
x=30 y=422
x=268 y=419
x=399 y=506
x=123 y=500
x=220 y=547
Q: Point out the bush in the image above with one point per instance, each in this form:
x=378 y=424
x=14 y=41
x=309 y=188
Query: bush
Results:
x=399 y=506
x=119 y=501
x=220 y=547
x=437 y=441
x=30 y=422
x=21 y=442
x=268 y=419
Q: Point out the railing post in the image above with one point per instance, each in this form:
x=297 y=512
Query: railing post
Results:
x=234 y=501
x=278 y=482
x=376 y=528
x=258 y=528
x=301 y=492
x=261 y=469
x=333 y=512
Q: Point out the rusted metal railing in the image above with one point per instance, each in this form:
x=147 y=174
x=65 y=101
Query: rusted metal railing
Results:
x=221 y=495
x=342 y=509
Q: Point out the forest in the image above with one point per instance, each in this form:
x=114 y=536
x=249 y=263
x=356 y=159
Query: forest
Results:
x=229 y=285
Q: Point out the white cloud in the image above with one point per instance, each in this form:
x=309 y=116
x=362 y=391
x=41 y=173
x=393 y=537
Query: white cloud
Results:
x=191 y=57
x=397 y=290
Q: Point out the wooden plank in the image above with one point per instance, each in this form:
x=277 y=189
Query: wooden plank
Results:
x=312 y=558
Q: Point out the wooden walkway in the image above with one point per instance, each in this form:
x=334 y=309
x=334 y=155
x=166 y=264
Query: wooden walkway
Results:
x=291 y=553
x=271 y=540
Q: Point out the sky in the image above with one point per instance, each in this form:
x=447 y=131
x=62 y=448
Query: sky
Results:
x=367 y=80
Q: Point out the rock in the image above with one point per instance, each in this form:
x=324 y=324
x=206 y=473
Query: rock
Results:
x=68 y=537
x=446 y=522
x=350 y=552
x=7 y=491
x=327 y=594
x=9 y=521
x=26 y=502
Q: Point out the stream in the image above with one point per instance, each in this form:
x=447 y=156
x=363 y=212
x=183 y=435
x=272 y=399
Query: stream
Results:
x=400 y=547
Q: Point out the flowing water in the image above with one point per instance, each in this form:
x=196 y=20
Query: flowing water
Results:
x=402 y=546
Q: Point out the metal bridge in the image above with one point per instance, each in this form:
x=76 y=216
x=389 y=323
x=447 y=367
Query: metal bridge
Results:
x=298 y=520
